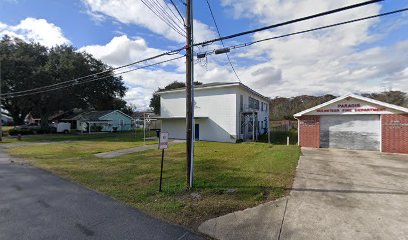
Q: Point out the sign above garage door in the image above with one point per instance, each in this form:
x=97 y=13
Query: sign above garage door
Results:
x=351 y=105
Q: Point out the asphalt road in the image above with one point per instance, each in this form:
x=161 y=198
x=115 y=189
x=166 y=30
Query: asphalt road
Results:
x=35 y=204
x=337 y=194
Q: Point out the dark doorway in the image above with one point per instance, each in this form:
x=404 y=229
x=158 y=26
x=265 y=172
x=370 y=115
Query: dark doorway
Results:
x=197 y=132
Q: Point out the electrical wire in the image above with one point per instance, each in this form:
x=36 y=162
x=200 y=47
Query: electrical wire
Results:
x=162 y=17
x=242 y=45
x=178 y=11
x=102 y=72
x=156 y=9
x=93 y=80
x=168 y=15
x=222 y=42
x=172 y=52
x=290 y=22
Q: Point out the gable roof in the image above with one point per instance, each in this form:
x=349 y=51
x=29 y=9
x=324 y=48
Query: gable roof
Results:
x=95 y=115
x=217 y=85
x=370 y=100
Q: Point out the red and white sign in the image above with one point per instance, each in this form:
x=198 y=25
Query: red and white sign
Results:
x=350 y=108
x=164 y=140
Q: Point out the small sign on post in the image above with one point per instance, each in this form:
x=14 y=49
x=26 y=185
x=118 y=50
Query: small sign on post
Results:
x=163 y=144
x=164 y=140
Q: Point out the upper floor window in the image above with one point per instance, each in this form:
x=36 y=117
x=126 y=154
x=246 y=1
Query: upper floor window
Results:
x=253 y=103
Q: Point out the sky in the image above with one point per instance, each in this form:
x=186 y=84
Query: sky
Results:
x=369 y=56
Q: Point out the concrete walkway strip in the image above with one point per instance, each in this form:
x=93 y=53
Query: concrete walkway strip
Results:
x=121 y=152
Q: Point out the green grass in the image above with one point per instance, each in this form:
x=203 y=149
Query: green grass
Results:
x=259 y=172
x=129 y=137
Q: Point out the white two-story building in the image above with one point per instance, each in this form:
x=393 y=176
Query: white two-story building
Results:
x=224 y=112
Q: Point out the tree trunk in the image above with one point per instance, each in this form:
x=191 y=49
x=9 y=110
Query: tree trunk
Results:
x=44 y=119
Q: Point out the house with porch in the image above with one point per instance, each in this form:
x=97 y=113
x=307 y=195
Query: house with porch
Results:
x=224 y=112
x=102 y=121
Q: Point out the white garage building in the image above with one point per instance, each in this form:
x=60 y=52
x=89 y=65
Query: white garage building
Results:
x=224 y=112
x=355 y=122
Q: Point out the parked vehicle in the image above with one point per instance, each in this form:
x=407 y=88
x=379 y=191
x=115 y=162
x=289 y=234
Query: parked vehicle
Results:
x=63 y=127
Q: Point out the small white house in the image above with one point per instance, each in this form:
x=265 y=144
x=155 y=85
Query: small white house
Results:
x=103 y=121
x=224 y=112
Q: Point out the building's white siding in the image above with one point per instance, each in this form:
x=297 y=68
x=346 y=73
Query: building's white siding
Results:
x=175 y=127
x=119 y=121
x=215 y=108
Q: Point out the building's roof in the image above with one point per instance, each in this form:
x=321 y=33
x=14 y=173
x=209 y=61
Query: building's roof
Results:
x=216 y=85
x=370 y=100
x=92 y=115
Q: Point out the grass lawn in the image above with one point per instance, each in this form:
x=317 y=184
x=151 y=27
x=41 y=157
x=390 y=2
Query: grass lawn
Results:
x=123 y=137
x=258 y=172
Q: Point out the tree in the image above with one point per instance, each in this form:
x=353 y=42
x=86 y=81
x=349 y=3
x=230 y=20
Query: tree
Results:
x=284 y=108
x=155 y=100
x=393 y=97
x=31 y=65
x=20 y=64
x=129 y=109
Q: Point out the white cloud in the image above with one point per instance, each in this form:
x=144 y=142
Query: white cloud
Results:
x=142 y=83
x=135 y=12
x=36 y=30
x=121 y=50
x=326 y=61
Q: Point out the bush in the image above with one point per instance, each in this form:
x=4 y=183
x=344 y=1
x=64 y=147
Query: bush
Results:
x=45 y=131
x=15 y=132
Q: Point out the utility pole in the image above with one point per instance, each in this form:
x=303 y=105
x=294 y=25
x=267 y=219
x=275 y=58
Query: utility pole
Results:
x=1 y=114
x=189 y=92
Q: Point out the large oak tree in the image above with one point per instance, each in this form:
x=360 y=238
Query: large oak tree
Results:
x=29 y=65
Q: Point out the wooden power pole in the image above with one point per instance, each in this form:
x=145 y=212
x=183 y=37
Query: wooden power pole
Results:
x=189 y=92
x=1 y=109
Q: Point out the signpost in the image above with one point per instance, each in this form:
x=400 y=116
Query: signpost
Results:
x=163 y=144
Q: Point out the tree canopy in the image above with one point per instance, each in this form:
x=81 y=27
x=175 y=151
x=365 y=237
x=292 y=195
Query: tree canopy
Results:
x=29 y=65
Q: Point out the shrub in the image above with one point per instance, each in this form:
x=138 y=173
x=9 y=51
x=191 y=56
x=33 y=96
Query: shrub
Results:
x=15 y=132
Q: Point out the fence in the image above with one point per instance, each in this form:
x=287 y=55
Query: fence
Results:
x=282 y=126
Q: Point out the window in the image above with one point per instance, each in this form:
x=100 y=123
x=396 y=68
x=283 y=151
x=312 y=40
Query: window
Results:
x=253 y=103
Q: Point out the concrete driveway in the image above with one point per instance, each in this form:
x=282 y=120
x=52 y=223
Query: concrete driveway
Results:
x=35 y=204
x=337 y=194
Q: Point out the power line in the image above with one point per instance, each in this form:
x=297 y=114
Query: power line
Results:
x=222 y=42
x=242 y=45
x=162 y=17
x=102 y=72
x=178 y=11
x=182 y=2
x=92 y=80
x=289 y=22
x=168 y=16
x=172 y=52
